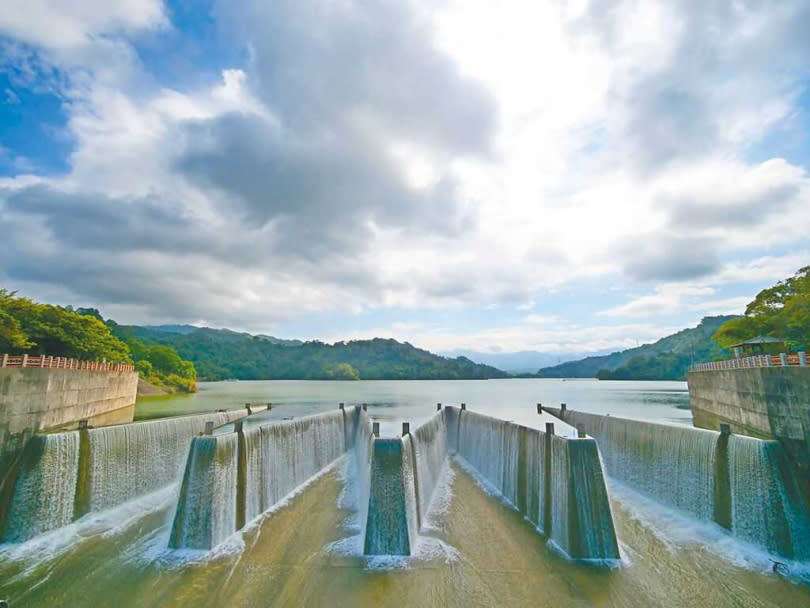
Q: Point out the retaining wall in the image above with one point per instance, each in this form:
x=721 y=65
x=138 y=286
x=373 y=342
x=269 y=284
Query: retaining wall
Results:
x=33 y=400
x=764 y=402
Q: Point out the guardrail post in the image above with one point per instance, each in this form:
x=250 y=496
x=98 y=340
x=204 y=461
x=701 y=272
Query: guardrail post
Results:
x=550 y=428
x=562 y=408
x=581 y=431
x=463 y=406
x=5 y=360
x=438 y=406
x=802 y=358
x=341 y=407
x=209 y=427
x=783 y=359
x=406 y=428
x=375 y=429
x=25 y=360
x=539 y=408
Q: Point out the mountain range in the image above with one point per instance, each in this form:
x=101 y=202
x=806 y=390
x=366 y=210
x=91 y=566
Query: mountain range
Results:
x=665 y=359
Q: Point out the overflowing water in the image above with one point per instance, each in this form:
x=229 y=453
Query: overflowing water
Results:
x=64 y=476
x=233 y=478
x=46 y=486
x=130 y=460
x=119 y=557
x=743 y=484
x=768 y=505
x=282 y=456
x=555 y=482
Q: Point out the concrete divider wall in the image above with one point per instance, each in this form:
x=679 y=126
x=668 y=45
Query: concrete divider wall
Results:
x=232 y=478
x=744 y=484
x=63 y=476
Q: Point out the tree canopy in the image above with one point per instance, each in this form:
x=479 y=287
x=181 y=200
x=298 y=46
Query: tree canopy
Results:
x=30 y=327
x=781 y=311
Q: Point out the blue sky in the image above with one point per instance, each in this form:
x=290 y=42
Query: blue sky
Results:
x=556 y=176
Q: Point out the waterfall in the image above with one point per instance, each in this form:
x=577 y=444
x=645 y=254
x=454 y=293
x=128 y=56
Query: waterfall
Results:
x=67 y=475
x=206 y=510
x=675 y=465
x=768 y=506
x=233 y=478
x=284 y=455
x=387 y=526
x=555 y=482
x=428 y=451
x=746 y=485
x=45 y=489
x=363 y=447
x=131 y=460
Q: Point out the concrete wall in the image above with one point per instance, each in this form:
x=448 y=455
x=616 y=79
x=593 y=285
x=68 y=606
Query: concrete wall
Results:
x=36 y=399
x=764 y=402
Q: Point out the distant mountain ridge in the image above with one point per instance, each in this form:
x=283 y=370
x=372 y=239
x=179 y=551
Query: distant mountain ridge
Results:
x=525 y=361
x=220 y=354
x=665 y=359
x=184 y=330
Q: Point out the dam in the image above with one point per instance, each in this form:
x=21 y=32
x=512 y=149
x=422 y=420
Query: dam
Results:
x=353 y=506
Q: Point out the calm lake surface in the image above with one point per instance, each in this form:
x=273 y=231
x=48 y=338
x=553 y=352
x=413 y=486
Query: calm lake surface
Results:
x=393 y=401
x=479 y=551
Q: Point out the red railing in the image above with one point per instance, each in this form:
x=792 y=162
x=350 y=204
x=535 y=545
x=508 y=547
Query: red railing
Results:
x=46 y=361
x=780 y=360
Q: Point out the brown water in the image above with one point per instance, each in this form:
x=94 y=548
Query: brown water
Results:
x=286 y=560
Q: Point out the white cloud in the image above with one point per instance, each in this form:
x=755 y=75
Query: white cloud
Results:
x=61 y=25
x=407 y=156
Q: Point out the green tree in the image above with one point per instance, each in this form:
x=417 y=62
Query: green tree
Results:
x=341 y=371
x=781 y=311
x=12 y=338
x=53 y=330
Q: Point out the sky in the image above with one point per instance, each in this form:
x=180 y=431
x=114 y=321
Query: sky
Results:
x=564 y=177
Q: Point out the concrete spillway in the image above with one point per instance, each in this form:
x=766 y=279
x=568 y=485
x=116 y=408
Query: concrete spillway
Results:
x=746 y=485
x=232 y=478
x=556 y=482
x=63 y=476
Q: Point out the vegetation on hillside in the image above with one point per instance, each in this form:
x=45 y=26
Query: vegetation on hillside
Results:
x=30 y=327
x=43 y=329
x=221 y=354
x=781 y=311
x=666 y=359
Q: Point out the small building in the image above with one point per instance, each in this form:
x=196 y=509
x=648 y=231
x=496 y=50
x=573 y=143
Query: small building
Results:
x=761 y=345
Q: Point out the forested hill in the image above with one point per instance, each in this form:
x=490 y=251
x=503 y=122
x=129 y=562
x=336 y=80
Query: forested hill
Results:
x=666 y=359
x=220 y=354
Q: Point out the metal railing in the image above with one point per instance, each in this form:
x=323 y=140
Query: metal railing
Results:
x=46 y=361
x=780 y=360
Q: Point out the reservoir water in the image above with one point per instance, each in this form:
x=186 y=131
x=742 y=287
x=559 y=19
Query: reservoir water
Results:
x=479 y=552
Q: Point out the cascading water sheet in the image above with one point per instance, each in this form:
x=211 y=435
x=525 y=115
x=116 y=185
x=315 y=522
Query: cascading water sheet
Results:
x=131 y=460
x=675 y=465
x=742 y=483
x=206 y=510
x=767 y=504
x=46 y=487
